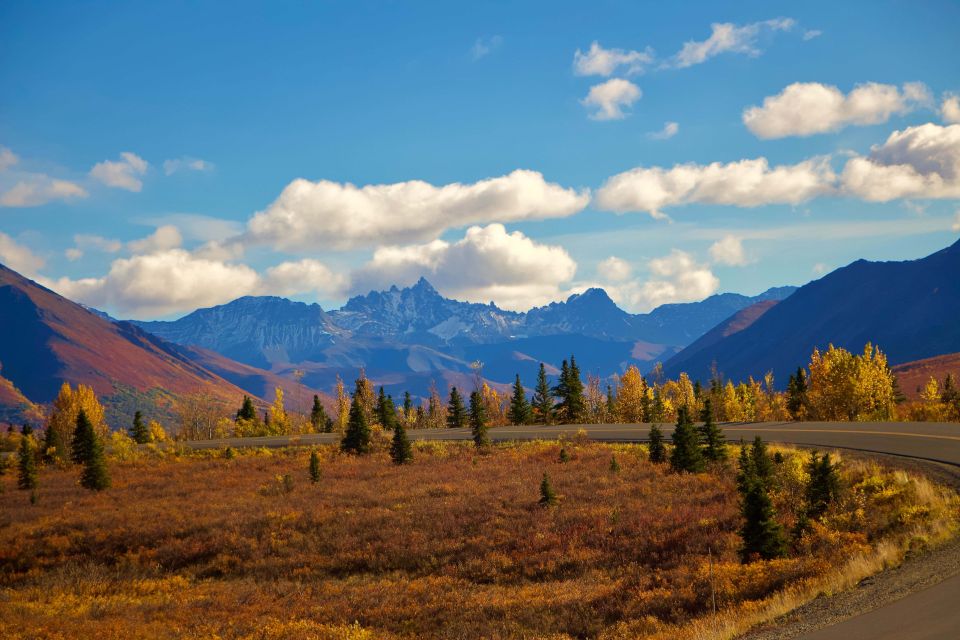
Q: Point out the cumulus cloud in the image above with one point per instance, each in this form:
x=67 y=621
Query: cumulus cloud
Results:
x=609 y=99
x=36 y=189
x=950 y=109
x=311 y=215
x=18 y=257
x=302 y=276
x=7 y=158
x=676 y=277
x=483 y=47
x=614 y=269
x=807 y=108
x=918 y=162
x=185 y=163
x=83 y=242
x=510 y=269
x=598 y=61
x=728 y=37
x=164 y=238
x=746 y=183
x=728 y=250
x=669 y=130
x=121 y=174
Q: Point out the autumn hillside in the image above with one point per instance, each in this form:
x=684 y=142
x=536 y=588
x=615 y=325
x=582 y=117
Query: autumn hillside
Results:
x=912 y=376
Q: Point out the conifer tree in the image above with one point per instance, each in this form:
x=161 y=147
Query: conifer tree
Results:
x=576 y=404
x=27 y=464
x=762 y=465
x=559 y=391
x=542 y=400
x=408 y=414
x=686 y=454
x=82 y=437
x=94 y=475
x=386 y=411
x=797 y=394
x=645 y=408
x=547 y=495
x=823 y=485
x=761 y=534
x=456 y=412
x=478 y=420
x=400 y=450
x=139 y=431
x=314 y=467
x=247 y=410
x=657 y=406
x=745 y=470
x=519 y=411
x=54 y=446
x=356 y=439
x=714 y=442
x=614 y=465
x=564 y=456
x=658 y=452
x=320 y=422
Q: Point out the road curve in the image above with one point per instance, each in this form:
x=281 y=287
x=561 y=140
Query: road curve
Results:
x=930 y=614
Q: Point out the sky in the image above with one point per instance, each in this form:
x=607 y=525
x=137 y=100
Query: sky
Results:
x=160 y=157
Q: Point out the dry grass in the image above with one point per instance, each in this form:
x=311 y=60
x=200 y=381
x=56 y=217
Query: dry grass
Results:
x=452 y=546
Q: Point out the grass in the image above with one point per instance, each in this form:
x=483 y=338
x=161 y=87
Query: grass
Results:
x=454 y=545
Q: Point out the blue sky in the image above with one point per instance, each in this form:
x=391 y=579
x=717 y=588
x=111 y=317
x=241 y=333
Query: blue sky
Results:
x=221 y=106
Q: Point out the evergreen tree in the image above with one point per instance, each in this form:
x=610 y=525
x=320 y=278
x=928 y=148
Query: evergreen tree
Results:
x=559 y=391
x=82 y=437
x=139 y=431
x=797 y=394
x=645 y=409
x=657 y=406
x=386 y=411
x=714 y=442
x=247 y=411
x=54 y=446
x=576 y=404
x=94 y=475
x=745 y=471
x=564 y=456
x=320 y=422
x=761 y=534
x=823 y=486
x=686 y=446
x=407 y=406
x=27 y=464
x=478 y=420
x=314 y=467
x=658 y=452
x=614 y=465
x=547 y=496
x=519 y=411
x=762 y=464
x=356 y=439
x=542 y=400
x=400 y=450
x=456 y=412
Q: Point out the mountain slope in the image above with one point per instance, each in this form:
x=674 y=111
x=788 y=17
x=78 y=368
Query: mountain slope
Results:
x=910 y=309
x=913 y=375
x=48 y=339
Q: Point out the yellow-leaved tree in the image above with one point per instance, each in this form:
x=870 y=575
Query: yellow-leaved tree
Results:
x=343 y=406
x=844 y=386
x=632 y=396
x=66 y=407
x=279 y=420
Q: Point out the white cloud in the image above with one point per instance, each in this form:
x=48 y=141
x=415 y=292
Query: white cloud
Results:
x=919 y=162
x=186 y=164
x=676 y=277
x=195 y=226
x=598 y=61
x=123 y=173
x=38 y=189
x=483 y=47
x=7 y=158
x=164 y=238
x=610 y=98
x=746 y=183
x=303 y=276
x=950 y=108
x=807 y=108
x=313 y=215
x=614 y=269
x=669 y=130
x=728 y=250
x=87 y=242
x=820 y=268
x=488 y=264
x=810 y=34
x=18 y=257
x=956 y=221
x=728 y=37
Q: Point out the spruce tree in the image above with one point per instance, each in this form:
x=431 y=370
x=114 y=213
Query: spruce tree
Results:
x=686 y=445
x=714 y=442
x=745 y=470
x=761 y=462
x=542 y=400
x=564 y=456
x=407 y=406
x=614 y=465
x=646 y=411
x=400 y=450
x=54 y=446
x=478 y=420
x=94 y=475
x=797 y=393
x=247 y=410
x=658 y=451
x=547 y=496
x=356 y=439
x=576 y=404
x=657 y=406
x=314 y=467
x=27 y=464
x=823 y=487
x=320 y=422
x=559 y=391
x=761 y=534
x=456 y=412
x=139 y=431
x=82 y=437
x=386 y=411
x=519 y=411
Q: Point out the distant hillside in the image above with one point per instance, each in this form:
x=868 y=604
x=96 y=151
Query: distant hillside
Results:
x=913 y=375
x=46 y=339
x=910 y=309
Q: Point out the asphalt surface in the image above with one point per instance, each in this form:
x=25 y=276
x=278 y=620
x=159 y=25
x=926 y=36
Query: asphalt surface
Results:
x=930 y=614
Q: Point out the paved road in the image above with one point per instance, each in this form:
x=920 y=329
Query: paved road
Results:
x=930 y=614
